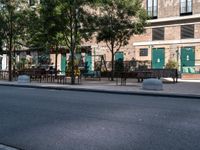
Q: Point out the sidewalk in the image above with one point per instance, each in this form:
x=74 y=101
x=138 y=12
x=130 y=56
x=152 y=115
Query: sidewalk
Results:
x=184 y=88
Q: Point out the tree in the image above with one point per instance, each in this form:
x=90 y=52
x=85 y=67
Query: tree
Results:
x=45 y=31
x=69 y=21
x=118 y=21
x=13 y=26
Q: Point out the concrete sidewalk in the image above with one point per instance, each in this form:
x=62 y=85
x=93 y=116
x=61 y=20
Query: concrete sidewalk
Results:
x=184 y=88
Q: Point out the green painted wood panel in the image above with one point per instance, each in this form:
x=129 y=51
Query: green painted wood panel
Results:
x=119 y=56
x=88 y=61
x=187 y=57
x=158 y=58
x=63 y=63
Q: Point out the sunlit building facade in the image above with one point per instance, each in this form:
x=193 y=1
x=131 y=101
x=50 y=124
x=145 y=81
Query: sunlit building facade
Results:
x=173 y=33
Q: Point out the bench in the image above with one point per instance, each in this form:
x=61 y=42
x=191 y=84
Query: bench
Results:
x=140 y=75
x=158 y=73
x=92 y=74
x=35 y=74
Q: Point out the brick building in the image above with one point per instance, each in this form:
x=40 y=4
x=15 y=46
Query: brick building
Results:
x=173 y=33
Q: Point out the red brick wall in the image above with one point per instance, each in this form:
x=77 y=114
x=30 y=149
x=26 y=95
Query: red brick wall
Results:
x=190 y=76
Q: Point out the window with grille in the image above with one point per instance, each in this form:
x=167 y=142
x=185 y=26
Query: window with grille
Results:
x=144 y=52
x=152 y=8
x=187 y=31
x=158 y=33
x=185 y=7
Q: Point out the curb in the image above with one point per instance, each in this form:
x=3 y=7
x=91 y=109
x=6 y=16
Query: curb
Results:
x=141 y=93
x=7 y=147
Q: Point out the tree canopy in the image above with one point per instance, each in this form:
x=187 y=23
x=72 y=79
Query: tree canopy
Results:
x=67 y=23
x=13 y=26
x=118 y=21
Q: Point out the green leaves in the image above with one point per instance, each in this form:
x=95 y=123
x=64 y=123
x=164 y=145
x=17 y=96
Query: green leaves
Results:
x=119 y=20
x=13 y=14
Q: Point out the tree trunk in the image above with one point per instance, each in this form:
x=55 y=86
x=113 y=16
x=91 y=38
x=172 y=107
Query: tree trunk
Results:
x=10 y=48
x=73 y=40
x=10 y=63
x=72 y=68
x=72 y=55
x=112 y=71
x=56 y=62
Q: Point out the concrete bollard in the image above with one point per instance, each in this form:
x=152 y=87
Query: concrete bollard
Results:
x=23 y=79
x=152 y=84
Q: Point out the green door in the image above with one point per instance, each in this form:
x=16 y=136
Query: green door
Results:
x=187 y=60
x=119 y=56
x=158 y=58
x=187 y=57
x=119 y=65
x=63 y=63
x=88 y=61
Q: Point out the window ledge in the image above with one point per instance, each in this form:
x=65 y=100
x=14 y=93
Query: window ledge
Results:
x=174 y=18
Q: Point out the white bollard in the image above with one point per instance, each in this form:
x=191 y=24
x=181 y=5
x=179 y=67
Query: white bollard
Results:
x=23 y=79
x=152 y=84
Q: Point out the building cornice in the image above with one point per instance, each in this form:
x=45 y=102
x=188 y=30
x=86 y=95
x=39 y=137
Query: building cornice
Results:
x=196 y=16
x=167 y=42
x=174 y=20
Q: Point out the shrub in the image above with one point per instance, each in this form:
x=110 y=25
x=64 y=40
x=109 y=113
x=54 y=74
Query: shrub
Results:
x=172 y=64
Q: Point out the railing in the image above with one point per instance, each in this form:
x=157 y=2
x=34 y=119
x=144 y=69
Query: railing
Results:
x=41 y=76
x=4 y=75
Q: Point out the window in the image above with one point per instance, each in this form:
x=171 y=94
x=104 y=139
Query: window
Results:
x=152 y=8
x=158 y=33
x=31 y=2
x=185 y=7
x=144 y=52
x=187 y=31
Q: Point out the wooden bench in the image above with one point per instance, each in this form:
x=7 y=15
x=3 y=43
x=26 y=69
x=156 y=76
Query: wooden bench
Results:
x=158 y=73
x=140 y=75
x=93 y=75
x=35 y=74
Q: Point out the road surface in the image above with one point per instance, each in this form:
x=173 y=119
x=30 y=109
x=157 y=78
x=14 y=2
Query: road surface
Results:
x=39 y=119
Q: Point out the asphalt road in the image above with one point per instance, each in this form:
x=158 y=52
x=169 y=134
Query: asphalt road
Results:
x=39 y=119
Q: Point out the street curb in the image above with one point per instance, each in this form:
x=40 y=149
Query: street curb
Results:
x=140 y=93
x=8 y=147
